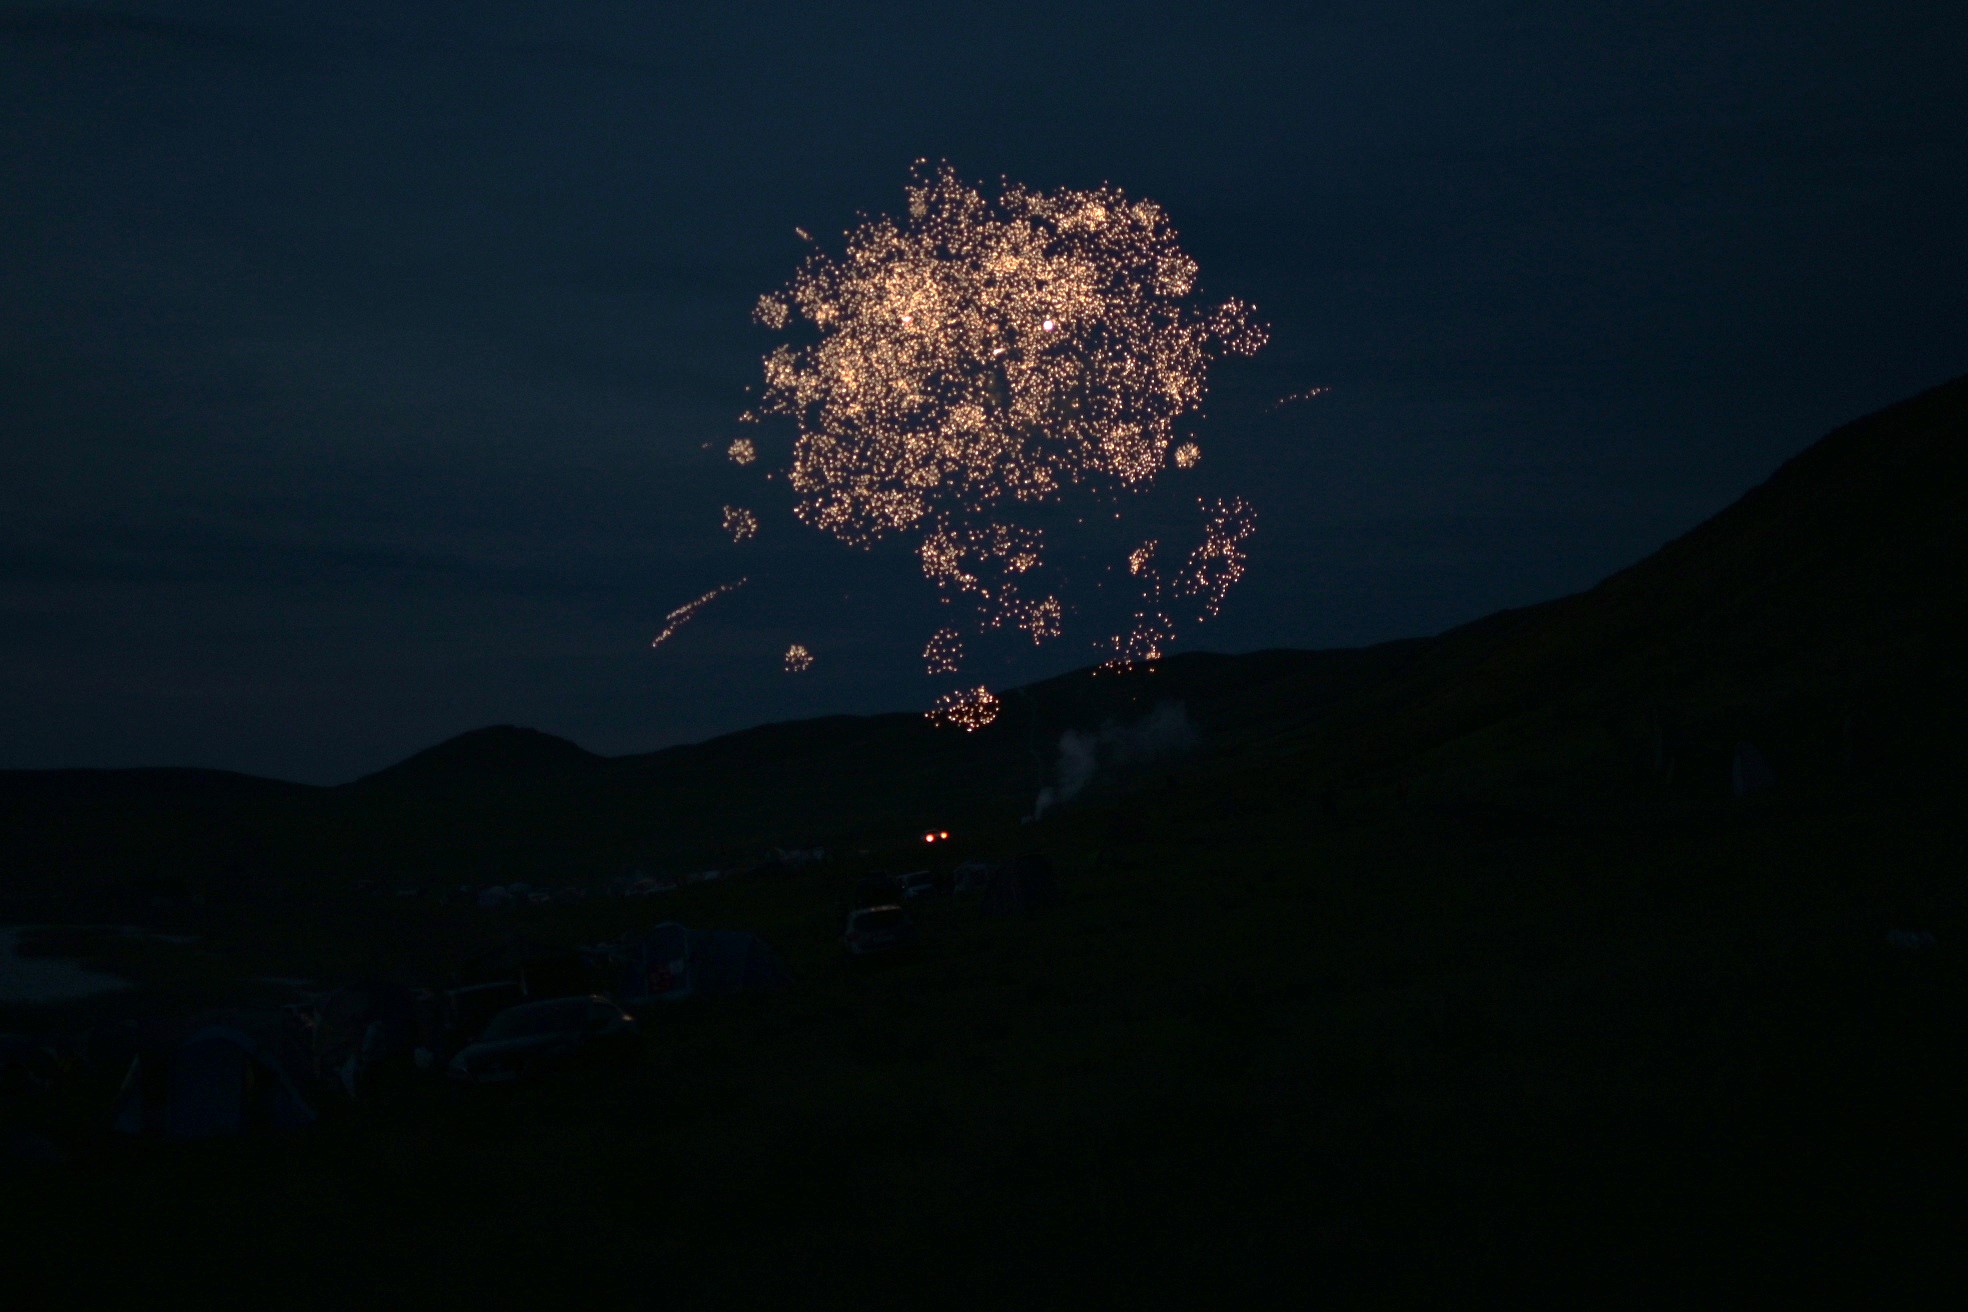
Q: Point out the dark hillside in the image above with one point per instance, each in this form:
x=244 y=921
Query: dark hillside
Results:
x=1820 y=617
x=499 y=753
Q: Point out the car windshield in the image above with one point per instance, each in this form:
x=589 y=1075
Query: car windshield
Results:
x=537 y=1018
x=881 y=919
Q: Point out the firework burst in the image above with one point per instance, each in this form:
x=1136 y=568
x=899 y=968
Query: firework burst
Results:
x=982 y=356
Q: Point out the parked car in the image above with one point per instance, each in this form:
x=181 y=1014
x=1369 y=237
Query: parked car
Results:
x=536 y=1037
x=918 y=883
x=466 y=1011
x=878 y=929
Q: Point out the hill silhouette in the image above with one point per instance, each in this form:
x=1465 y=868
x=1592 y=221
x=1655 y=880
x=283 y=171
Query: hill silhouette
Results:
x=1819 y=617
x=498 y=752
x=1821 y=613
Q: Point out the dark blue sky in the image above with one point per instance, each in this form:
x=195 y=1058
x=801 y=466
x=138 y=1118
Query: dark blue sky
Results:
x=357 y=361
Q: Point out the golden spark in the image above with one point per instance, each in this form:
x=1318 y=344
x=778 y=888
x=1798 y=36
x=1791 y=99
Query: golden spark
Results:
x=944 y=652
x=683 y=614
x=1214 y=567
x=742 y=451
x=1187 y=455
x=969 y=709
x=740 y=523
x=798 y=659
x=1305 y=395
x=989 y=351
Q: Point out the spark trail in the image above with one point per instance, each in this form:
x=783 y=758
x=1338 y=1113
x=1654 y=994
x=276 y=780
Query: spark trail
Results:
x=683 y=614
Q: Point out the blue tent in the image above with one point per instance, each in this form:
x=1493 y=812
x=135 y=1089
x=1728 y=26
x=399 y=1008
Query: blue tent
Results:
x=219 y=1081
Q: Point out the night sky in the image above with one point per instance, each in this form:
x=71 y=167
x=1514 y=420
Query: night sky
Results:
x=367 y=367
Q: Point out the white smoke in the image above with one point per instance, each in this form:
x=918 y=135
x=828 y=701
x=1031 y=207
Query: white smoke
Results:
x=1163 y=732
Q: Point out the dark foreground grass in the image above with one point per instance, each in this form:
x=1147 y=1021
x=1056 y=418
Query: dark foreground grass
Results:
x=1374 y=1060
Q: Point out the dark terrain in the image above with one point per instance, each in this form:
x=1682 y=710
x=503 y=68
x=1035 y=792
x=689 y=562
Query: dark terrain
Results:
x=1475 y=960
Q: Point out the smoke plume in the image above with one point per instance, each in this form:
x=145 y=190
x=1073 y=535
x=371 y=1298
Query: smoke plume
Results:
x=1162 y=733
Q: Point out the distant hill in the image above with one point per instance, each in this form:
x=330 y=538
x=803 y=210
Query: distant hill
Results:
x=500 y=752
x=1819 y=618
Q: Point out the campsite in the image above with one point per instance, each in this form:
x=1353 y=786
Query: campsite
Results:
x=1616 y=945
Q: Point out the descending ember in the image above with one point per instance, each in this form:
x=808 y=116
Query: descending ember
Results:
x=969 y=709
x=1305 y=395
x=740 y=523
x=944 y=652
x=798 y=659
x=683 y=614
x=1214 y=568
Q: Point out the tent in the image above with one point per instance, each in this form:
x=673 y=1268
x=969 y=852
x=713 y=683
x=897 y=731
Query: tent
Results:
x=671 y=963
x=973 y=876
x=362 y=1025
x=539 y=970
x=1750 y=773
x=218 y=1080
x=1018 y=888
x=734 y=961
x=653 y=967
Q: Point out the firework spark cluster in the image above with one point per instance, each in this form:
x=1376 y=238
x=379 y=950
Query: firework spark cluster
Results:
x=953 y=370
x=1202 y=580
x=969 y=709
x=983 y=352
x=798 y=659
x=944 y=652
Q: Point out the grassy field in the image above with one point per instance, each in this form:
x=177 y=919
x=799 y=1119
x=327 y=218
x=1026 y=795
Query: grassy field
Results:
x=1366 y=1055
x=1439 y=970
